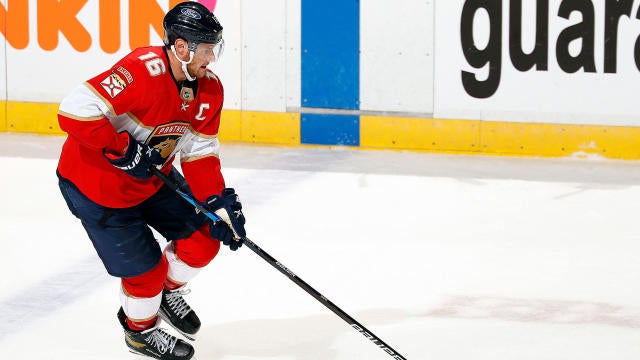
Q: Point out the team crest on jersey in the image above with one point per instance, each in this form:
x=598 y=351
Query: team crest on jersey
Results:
x=113 y=84
x=165 y=137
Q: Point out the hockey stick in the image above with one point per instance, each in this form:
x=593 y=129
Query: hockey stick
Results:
x=283 y=269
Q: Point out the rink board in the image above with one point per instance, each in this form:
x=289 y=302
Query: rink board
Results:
x=397 y=133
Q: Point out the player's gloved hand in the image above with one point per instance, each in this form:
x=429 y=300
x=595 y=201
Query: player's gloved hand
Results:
x=221 y=231
x=228 y=207
x=137 y=159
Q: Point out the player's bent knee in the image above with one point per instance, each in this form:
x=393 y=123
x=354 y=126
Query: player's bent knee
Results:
x=198 y=249
x=148 y=284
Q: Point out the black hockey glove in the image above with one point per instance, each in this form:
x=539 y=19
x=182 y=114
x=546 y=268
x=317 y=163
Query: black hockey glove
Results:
x=228 y=207
x=220 y=230
x=137 y=159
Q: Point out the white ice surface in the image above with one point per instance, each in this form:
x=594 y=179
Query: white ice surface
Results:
x=443 y=257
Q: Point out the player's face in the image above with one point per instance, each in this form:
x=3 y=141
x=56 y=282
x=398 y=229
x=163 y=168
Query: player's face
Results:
x=205 y=55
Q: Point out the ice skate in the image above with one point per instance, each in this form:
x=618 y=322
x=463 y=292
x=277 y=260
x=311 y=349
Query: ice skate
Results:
x=175 y=310
x=155 y=343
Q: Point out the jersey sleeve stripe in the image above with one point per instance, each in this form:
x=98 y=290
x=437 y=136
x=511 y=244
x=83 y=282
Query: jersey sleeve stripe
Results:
x=194 y=158
x=80 y=118
x=84 y=102
x=104 y=100
x=200 y=147
x=201 y=135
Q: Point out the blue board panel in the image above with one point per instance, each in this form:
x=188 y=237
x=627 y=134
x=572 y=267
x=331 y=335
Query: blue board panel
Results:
x=330 y=129
x=331 y=54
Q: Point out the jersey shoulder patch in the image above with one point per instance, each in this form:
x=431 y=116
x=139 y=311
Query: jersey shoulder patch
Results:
x=113 y=84
x=210 y=75
x=212 y=82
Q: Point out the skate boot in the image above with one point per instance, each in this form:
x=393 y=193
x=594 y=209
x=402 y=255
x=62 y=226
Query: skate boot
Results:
x=155 y=342
x=178 y=314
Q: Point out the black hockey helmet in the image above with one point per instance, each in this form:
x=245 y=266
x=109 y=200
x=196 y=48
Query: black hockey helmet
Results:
x=192 y=22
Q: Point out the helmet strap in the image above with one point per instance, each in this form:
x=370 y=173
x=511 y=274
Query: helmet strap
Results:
x=184 y=63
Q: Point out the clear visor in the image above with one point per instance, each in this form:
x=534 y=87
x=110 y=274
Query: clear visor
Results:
x=212 y=52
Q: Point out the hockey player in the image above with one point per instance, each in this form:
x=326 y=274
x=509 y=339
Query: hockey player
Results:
x=153 y=104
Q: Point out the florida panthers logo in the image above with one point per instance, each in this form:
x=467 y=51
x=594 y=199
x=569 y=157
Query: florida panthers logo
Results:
x=165 y=137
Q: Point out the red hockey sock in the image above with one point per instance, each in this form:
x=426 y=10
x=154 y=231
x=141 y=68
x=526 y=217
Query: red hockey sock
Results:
x=141 y=325
x=171 y=285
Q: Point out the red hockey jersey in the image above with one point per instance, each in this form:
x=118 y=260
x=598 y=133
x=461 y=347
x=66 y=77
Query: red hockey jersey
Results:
x=139 y=95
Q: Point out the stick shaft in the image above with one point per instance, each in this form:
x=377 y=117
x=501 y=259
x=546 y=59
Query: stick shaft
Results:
x=323 y=300
x=285 y=271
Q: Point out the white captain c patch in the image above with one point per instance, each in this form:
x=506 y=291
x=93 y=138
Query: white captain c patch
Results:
x=203 y=107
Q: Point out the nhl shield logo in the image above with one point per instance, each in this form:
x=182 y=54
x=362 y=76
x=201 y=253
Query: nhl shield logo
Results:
x=186 y=93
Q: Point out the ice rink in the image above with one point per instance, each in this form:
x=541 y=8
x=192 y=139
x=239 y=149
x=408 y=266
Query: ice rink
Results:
x=444 y=257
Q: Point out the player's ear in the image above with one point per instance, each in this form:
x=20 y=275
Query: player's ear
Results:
x=182 y=47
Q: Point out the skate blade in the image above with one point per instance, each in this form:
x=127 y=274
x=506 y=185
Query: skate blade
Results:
x=190 y=337
x=138 y=356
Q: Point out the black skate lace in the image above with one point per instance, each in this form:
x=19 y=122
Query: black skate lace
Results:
x=177 y=303
x=161 y=341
